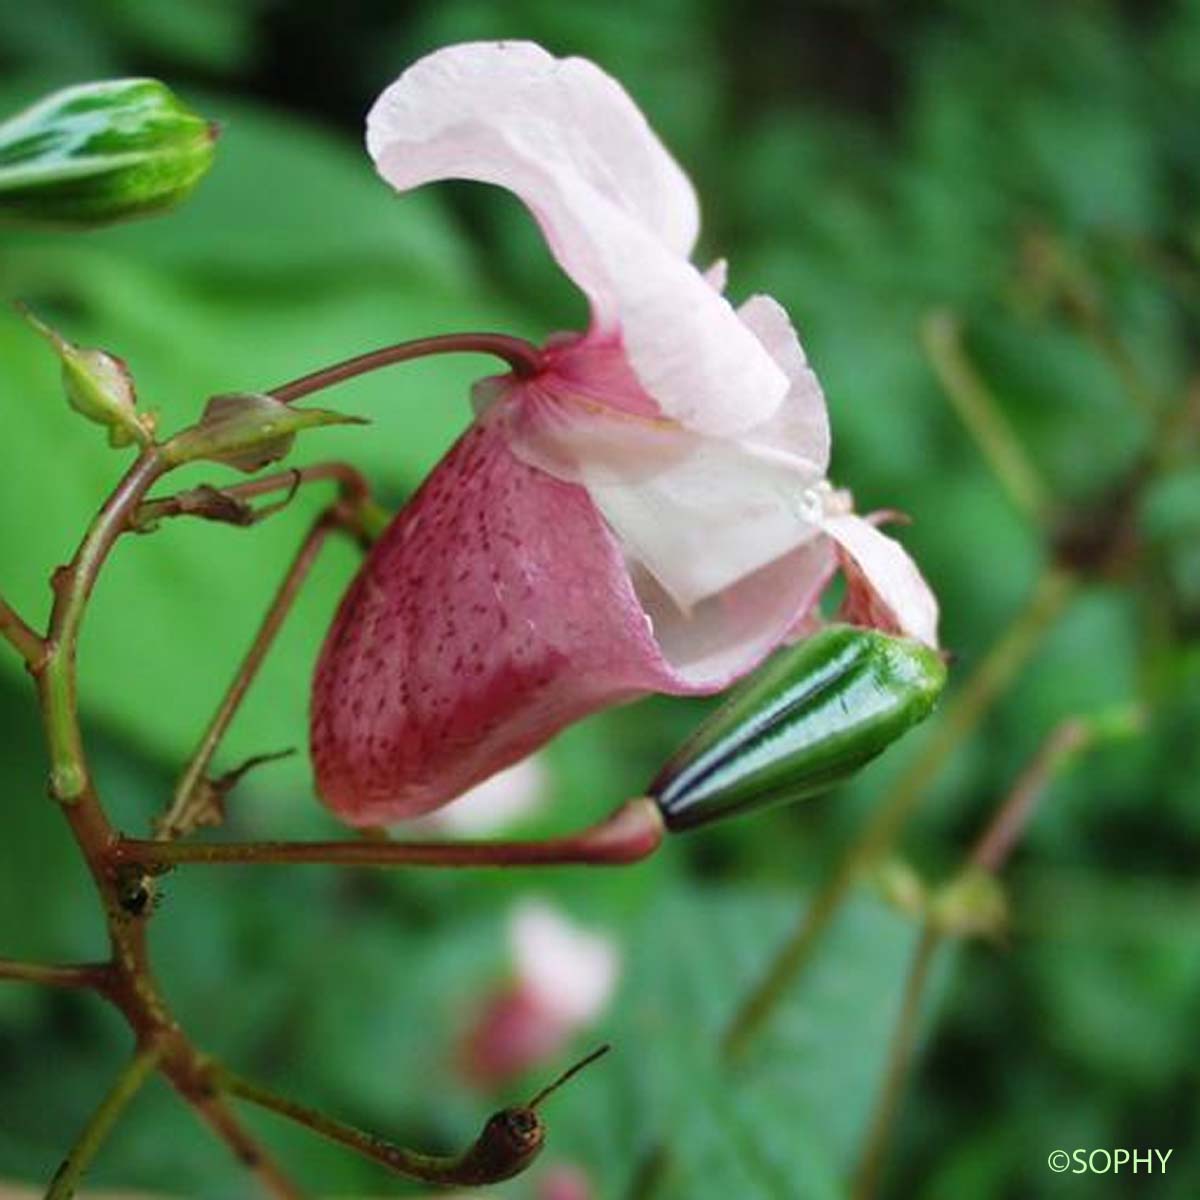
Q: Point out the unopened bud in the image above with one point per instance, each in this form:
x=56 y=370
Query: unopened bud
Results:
x=101 y=152
x=98 y=386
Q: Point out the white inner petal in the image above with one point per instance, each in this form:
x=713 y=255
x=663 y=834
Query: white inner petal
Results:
x=714 y=517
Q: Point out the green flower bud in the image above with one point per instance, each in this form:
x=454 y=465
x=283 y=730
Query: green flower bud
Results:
x=101 y=152
x=98 y=386
x=810 y=719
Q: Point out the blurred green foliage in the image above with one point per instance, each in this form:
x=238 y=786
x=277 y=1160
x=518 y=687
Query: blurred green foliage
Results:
x=1033 y=168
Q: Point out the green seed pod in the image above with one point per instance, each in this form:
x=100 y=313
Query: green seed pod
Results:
x=101 y=152
x=809 y=720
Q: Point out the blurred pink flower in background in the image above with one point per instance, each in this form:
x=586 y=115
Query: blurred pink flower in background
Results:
x=564 y=1182
x=496 y=804
x=563 y=979
x=646 y=512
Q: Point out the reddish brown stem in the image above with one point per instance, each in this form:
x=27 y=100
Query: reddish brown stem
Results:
x=175 y=820
x=216 y=502
x=128 y=981
x=510 y=1140
x=633 y=832
x=82 y=975
x=999 y=839
x=524 y=358
x=221 y=1119
x=28 y=644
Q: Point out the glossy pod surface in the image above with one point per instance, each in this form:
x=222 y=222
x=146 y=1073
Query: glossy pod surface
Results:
x=101 y=152
x=814 y=715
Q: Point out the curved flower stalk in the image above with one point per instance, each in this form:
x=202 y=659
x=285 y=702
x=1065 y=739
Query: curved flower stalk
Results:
x=645 y=510
x=563 y=979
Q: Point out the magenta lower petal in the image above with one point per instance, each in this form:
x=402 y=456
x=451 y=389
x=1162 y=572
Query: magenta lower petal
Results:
x=495 y=610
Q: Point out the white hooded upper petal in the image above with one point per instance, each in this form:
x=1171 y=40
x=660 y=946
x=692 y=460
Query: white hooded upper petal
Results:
x=618 y=213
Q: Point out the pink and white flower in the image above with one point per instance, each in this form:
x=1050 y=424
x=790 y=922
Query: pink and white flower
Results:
x=648 y=512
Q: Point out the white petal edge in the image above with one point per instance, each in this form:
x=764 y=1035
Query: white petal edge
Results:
x=616 y=210
x=566 y=113
x=890 y=572
x=801 y=424
x=716 y=642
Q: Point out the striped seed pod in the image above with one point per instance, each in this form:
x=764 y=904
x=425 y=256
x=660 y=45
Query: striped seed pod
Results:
x=810 y=719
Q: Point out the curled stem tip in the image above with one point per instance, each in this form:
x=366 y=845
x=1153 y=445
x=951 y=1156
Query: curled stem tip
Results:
x=509 y=1141
x=568 y=1075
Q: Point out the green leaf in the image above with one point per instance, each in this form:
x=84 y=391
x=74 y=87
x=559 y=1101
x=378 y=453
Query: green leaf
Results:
x=247 y=430
x=788 y=1120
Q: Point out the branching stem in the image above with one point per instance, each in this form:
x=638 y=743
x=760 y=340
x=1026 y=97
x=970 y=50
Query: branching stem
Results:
x=128 y=980
x=83 y=975
x=173 y=821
